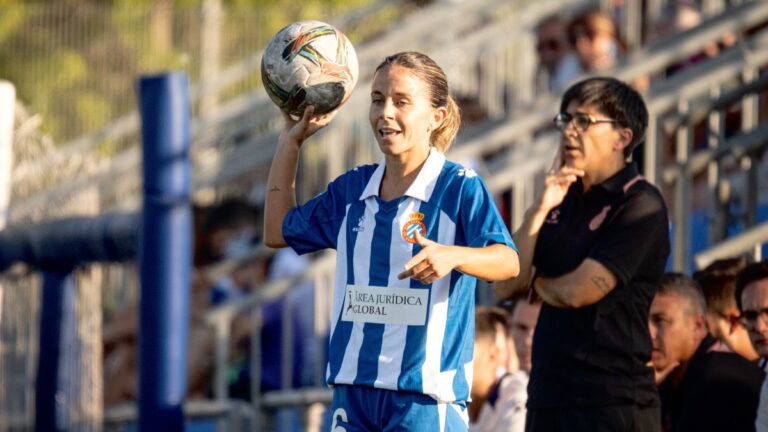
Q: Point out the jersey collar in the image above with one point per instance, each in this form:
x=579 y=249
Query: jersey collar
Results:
x=422 y=186
x=623 y=177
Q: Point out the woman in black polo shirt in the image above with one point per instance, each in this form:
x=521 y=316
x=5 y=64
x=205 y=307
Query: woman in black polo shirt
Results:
x=594 y=246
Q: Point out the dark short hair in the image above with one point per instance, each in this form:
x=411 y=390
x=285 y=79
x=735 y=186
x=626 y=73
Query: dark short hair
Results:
x=685 y=287
x=751 y=273
x=615 y=99
x=718 y=283
x=486 y=319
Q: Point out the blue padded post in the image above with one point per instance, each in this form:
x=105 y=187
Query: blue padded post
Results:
x=46 y=385
x=165 y=252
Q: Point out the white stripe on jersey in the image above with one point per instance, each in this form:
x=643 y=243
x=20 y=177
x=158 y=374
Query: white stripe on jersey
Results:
x=441 y=413
x=341 y=275
x=434 y=381
x=362 y=268
x=341 y=271
x=469 y=371
x=394 y=338
x=462 y=412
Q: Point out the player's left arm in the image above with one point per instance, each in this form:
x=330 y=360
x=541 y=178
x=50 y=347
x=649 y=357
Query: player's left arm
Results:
x=586 y=285
x=492 y=263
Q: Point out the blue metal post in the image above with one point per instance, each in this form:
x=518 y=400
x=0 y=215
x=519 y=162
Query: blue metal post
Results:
x=165 y=252
x=46 y=386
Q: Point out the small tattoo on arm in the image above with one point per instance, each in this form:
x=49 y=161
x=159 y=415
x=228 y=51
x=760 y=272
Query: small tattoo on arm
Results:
x=601 y=283
x=275 y=189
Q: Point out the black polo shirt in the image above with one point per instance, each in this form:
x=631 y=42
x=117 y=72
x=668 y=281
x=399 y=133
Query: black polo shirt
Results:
x=597 y=355
x=719 y=392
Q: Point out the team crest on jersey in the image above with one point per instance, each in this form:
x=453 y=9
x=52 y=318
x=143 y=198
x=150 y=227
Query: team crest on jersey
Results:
x=413 y=224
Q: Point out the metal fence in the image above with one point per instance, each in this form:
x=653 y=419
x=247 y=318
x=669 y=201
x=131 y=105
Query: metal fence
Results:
x=486 y=63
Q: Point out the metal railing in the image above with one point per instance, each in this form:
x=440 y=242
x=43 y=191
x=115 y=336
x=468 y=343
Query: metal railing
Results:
x=525 y=146
x=521 y=141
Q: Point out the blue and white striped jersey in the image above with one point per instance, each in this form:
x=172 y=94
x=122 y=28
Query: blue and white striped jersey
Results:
x=389 y=333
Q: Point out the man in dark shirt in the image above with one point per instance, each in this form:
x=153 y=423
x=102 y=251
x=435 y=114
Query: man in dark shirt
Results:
x=752 y=299
x=594 y=246
x=702 y=388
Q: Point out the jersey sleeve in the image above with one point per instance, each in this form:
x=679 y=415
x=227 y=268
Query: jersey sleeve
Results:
x=640 y=228
x=482 y=222
x=315 y=225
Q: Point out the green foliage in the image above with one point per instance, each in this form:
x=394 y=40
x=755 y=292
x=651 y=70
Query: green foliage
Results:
x=76 y=61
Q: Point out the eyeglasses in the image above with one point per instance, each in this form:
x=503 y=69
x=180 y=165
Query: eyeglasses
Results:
x=580 y=121
x=749 y=318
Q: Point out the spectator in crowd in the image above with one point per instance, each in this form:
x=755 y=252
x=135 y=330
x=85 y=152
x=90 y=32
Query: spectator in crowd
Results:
x=752 y=298
x=718 y=284
x=597 y=41
x=525 y=314
x=558 y=64
x=678 y=16
x=498 y=401
x=701 y=389
x=231 y=228
x=508 y=360
x=593 y=246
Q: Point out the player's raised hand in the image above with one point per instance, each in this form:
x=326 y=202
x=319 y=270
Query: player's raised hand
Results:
x=433 y=262
x=299 y=130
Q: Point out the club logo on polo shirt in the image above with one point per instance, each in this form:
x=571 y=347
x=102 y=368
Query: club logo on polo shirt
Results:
x=598 y=220
x=414 y=223
x=553 y=217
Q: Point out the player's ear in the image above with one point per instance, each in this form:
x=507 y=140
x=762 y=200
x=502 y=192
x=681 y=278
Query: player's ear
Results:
x=438 y=117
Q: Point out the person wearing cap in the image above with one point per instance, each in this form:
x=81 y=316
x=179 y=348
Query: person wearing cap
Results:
x=593 y=246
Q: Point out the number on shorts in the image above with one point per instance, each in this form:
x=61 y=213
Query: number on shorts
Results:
x=336 y=414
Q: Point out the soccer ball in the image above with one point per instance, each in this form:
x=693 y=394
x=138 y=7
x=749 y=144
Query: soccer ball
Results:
x=309 y=63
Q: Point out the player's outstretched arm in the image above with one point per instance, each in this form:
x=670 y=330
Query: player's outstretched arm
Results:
x=434 y=261
x=281 y=183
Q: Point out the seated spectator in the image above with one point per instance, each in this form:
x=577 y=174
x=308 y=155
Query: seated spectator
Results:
x=675 y=17
x=525 y=314
x=718 y=283
x=508 y=362
x=230 y=229
x=299 y=303
x=752 y=298
x=596 y=40
x=498 y=402
x=558 y=64
x=701 y=389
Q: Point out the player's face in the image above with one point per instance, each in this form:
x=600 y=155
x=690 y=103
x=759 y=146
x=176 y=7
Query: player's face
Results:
x=401 y=115
x=673 y=330
x=586 y=144
x=754 y=298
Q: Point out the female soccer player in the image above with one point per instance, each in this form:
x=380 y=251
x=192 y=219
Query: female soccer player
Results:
x=412 y=234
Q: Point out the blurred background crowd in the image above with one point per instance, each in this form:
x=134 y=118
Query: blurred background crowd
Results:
x=258 y=321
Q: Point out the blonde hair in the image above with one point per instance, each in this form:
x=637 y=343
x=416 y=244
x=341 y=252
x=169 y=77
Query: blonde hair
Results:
x=428 y=71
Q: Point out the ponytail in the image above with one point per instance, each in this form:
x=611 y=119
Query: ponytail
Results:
x=443 y=136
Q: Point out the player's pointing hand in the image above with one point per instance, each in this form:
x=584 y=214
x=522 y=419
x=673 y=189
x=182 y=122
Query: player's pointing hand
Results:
x=432 y=263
